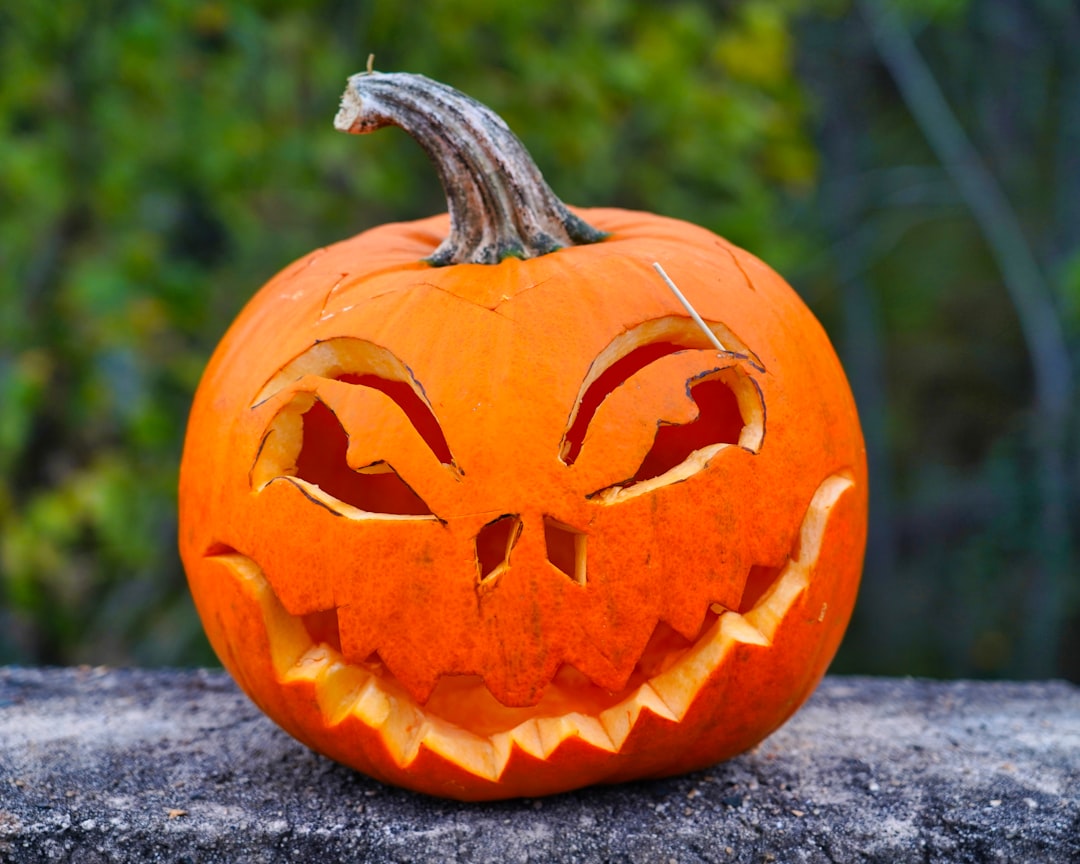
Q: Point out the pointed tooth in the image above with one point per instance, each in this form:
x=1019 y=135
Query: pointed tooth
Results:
x=477 y=755
x=404 y=731
x=649 y=698
x=288 y=644
x=502 y=748
x=591 y=730
x=816 y=520
x=286 y=635
x=339 y=689
x=551 y=734
x=735 y=627
x=310 y=665
x=770 y=610
x=554 y=730
x=373 y=704
x=678 y=686
x=619 y=719
x=671 y=688
x=401 y=724
x=526 y=737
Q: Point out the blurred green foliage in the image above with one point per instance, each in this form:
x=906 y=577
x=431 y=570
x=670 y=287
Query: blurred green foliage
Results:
x=160 y=161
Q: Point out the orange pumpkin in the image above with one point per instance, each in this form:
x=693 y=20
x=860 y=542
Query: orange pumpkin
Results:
x=493 y=515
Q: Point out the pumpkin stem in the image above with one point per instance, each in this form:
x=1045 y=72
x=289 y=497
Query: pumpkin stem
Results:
x=499 y=204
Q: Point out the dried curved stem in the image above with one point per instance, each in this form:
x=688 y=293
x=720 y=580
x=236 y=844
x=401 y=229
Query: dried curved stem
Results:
x=499 y=204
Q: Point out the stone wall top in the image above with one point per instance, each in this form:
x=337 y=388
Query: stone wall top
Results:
x=105 y=765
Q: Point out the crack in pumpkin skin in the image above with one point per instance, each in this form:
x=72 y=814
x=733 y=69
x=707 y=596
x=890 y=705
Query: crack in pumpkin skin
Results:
x=371 y=696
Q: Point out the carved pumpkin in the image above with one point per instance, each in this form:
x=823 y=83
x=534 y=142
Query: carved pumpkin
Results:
x=494 y=515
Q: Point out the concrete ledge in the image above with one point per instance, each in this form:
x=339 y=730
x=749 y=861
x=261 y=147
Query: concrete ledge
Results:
x=100 y=765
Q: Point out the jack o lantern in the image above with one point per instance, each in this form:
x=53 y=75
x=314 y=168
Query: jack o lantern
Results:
x=495 y=515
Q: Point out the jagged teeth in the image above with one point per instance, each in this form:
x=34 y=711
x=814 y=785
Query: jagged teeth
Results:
x=526 y=736
x=555 y=730
x=480 y=756
x=619 y=720
x=345 y=690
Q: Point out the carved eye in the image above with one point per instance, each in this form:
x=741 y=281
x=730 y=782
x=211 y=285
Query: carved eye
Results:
x=718 y=422
x=720 y=406
x=306 y=443
x=374 y=488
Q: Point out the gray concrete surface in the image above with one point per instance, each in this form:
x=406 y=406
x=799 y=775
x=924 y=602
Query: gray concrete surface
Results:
x=102 y=765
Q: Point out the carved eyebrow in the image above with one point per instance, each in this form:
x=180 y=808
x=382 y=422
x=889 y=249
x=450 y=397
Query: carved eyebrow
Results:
x=416 y=409
x=365 y=364
x=628 y=354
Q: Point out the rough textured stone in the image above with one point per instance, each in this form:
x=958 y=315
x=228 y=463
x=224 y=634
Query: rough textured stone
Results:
x=173 y=766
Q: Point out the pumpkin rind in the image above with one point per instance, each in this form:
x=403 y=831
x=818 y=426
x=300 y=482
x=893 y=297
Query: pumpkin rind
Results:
x=501 y=354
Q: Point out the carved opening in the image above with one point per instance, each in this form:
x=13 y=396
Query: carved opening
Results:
x=759 y=580
x=322 y=627
x=598 y=391
x=730 y=412
x=565 y=548
x=419 y=414
x=718 y=422
x=461 y=716
x=376 y=488
x=632 y=351
x=494 y=544
x=363 y=363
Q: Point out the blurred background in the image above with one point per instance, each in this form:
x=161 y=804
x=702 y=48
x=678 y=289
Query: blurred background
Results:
x=912 y=167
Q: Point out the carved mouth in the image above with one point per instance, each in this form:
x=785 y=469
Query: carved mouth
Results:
x=666 y=681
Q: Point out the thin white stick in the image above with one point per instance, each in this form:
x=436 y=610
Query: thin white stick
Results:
x=686 y=303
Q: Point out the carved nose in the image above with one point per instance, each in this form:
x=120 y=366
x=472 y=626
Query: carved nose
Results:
x=494 y=543
x=564 y=546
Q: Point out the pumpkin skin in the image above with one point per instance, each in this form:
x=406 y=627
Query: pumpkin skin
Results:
x=494 y=530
